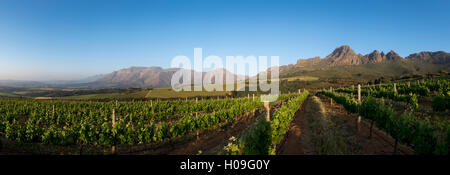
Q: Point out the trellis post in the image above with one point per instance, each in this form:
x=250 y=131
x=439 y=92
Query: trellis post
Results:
x=395 y=87
x=266 y=105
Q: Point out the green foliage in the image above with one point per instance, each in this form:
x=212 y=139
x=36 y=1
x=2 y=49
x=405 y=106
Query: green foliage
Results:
x=440 y=103
x=425 y=137
x=349 y=103
x=257 y=140
x=261 y=137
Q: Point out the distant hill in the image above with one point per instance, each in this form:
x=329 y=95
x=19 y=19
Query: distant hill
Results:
x=344 y=63
x=152 y=77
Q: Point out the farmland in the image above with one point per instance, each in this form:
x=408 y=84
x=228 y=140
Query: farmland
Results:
x=95 y=125
x=409 y=117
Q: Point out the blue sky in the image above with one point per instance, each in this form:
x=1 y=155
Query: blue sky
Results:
x=70 y=39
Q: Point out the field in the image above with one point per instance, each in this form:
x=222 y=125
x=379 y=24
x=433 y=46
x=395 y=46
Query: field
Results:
x=409 y=117
x=73 y=127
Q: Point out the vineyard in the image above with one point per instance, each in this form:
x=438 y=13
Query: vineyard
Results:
x=105 y=124
x=409 y=115
x=404 y=111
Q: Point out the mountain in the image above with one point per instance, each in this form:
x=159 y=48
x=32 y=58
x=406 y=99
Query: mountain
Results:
x=153 y=77
x=344 y=63
x=439 y=57
x=343 y=55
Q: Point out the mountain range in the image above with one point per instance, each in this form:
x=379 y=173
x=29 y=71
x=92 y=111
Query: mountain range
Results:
x=342 y=63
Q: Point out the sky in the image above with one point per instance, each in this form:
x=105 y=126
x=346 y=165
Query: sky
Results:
x=73 y=39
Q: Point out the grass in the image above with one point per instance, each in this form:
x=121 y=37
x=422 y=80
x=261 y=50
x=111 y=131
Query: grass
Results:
x=162 y=93
x=327 y=135
x=301 y=78
x=4 y=94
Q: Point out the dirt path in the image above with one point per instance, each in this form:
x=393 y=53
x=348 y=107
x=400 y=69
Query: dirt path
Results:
x=298 y=139
x=378 y=144
x=148 y=94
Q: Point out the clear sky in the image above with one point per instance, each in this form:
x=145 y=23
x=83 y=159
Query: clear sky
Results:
x=70 y=39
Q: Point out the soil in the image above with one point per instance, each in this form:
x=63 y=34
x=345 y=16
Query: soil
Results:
x=298 y=138
x=379 y=144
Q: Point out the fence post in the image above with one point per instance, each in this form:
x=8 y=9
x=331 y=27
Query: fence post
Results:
x=253 y=97
x=266 y=105
x=196 y=99
x=359 y=94
x=196 y=115
x=113 y=148
x=358 y=120
x=395 y=87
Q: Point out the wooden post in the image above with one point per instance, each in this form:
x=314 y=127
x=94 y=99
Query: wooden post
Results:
x=196 y=116
x=359 y=94
x=299 y=91
x=253 y=97
x=358 y=120
x=116 y=103
x=114 y=118
x=266 y=105
x=151 y=103
x=248 y=96
x=196 y=99
x=53 y=113
x=331 y=89
x=113 y=148
x=358 y=123
x=395 y=87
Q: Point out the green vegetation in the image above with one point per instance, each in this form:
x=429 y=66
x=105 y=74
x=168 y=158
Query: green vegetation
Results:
x=263 y=137
x=68 y=123
x=425 y=136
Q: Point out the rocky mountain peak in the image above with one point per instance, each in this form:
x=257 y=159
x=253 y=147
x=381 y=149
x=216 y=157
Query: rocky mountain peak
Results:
x=342 y=51
x=393 y=56
x=343 y=55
